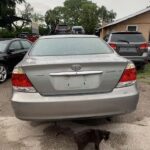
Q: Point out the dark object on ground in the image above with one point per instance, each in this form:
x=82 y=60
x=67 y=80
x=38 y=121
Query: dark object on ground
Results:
x=91 y=136
x=82 y=138
x=130 y=45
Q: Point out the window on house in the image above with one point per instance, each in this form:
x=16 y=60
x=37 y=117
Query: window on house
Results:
x=132 y=28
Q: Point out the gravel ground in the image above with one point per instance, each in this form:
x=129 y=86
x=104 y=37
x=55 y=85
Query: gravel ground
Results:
x=128 y=132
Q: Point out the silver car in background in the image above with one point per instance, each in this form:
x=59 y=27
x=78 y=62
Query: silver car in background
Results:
x=73 y=76
x=78 y=30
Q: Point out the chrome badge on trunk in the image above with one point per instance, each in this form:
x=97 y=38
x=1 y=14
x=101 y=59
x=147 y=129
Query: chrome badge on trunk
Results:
x=76 y=67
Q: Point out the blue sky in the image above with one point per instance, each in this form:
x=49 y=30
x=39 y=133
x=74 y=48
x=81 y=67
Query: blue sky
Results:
x=122 y=7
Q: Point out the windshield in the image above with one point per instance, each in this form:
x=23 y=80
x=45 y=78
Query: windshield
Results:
x=3 y=45
x=127 y=38
x=70 y=46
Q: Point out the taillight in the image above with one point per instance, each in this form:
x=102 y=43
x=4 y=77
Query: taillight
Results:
x=20 y=81
x=144 y=47
x=113 y=45
x=128 y=77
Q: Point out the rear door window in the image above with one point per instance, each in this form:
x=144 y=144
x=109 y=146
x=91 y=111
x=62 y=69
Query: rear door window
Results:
x=127 y=37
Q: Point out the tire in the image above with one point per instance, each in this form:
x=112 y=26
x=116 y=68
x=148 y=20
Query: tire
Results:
x=3 y=73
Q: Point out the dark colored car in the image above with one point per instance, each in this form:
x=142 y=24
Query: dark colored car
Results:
x=131 y=45
x=62 y=29
x=11 y=52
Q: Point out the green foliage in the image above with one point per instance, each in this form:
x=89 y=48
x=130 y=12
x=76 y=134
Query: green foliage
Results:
x=36 y=17
x=79 y=12
x=89 y=17
x=43 y=30
x=4 y=33
x=7 y=7
x=54 y=17
x=144 y=75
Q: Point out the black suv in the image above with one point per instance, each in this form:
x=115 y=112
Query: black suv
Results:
x=131 y=45
x=11 y=52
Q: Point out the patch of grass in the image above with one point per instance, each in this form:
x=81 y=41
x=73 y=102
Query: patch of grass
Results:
x=144 y=75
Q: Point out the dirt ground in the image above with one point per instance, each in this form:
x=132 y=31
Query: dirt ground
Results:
x=128 y=132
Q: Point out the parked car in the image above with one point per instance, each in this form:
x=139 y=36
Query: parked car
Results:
x=62 y=29
x=78 y=30
x=11 y=52
x=131 y=45
x=31 y=37
x=79 y=77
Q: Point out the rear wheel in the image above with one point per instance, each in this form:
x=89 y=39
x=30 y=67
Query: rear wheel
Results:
x=3 y=73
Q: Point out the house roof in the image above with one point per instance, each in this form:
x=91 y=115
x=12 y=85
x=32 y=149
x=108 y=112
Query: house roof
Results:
x=128 y=17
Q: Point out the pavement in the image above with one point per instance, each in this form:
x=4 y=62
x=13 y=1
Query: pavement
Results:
x=127 y=132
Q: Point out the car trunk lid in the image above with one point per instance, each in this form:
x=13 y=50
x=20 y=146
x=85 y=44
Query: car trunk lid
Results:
x=61 y=75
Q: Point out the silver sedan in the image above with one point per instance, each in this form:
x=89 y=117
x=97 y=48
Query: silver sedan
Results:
x=73 y=76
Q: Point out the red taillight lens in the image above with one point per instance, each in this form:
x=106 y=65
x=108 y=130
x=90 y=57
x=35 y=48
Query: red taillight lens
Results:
x=113 y=45
x=128 y=77
x=144 y=46
x=20 y=80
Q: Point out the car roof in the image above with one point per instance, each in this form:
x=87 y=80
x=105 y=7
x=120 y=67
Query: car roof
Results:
x=68 y=36
x=126 y=32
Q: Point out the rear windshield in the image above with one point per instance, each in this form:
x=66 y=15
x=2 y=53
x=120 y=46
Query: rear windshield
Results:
x=70 y=46
x=77 y=29
x=127 y=37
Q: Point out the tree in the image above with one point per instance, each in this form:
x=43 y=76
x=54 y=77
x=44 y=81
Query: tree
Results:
x=73 y=11
x=89 y=17
x=36 y=17
x=105 y=15
x=54 y=17
x=79 y=12
x=26 y=14
x=7 y=8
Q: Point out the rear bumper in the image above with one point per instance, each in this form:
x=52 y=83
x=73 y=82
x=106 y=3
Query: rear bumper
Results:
x=33 y=106
x=138 y=59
